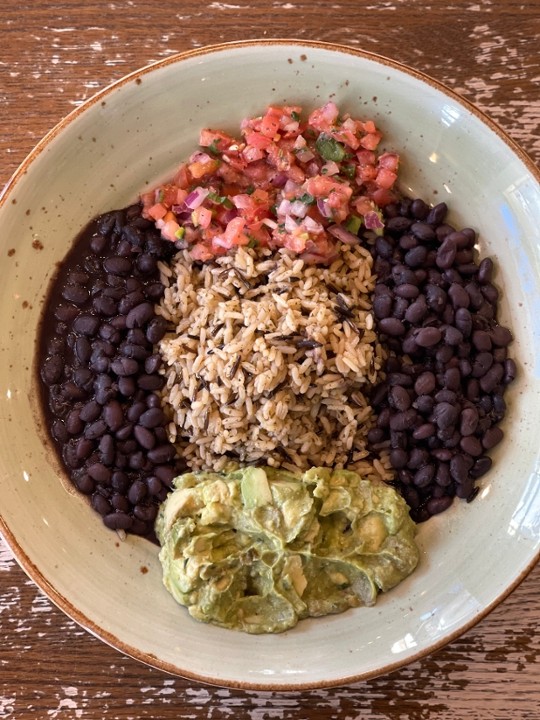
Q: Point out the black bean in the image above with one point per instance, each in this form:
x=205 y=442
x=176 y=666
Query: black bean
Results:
x=481 y=466
x=144 y=437
x=407 y=291
x=416 y=311
x=419 y=209
x=399 y=398
x=147 y=264
x=152 y=417
x=459 y=296
x=120 y=481
x=481 y=364
x=445 y=415
x=104 y=305
x=117 y=265
x=150 y=382
x=106 y=449
x=425 y=383
x=423 y=231
x=72 y=391
x=100 y=473
x=86 y=324
x=424 y=476
x=90 y=411
x=74 y=424
x=384 y=247
x=436 y=505
x=124 y=432
x=471 y=445
x=428 y=336
x=459 y=467
x=118 y=521
x=469 y=421
x=162 y=454
x=124 y=366
x=52 y=369
x=382 y=306
x=510 y=371
x=398 y=224
x=485 y=271
x=59 y=430
x=437 y=214
x=436 y=297
x=442 y=476
x=464 y=321
x=76 y=294
x=446 y=253
x=403 y=420
x=492 y=378
x=501 y=336
x=424 y=404
x=154 y=485
x=398 y=458
x=416 y=256
x=140 y=315
x=492 y=437
x=424 y=431
x=154 y=291
x=402 y=274
x=113 y=415
x=100 y=504
x=95 y=430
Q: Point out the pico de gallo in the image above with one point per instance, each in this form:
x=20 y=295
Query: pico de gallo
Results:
x=304 y=185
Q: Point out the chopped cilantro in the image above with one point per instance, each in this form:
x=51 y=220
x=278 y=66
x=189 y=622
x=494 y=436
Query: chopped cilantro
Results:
x=349 y=171
x=221 y=200
x=329 y=149
x=213 y=148
x=307 y=199
x=160 y=195
x=250 y=190
x=253 y=242
x=295 y=115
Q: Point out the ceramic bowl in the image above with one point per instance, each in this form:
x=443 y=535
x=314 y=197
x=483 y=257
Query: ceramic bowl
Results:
x=125 y=139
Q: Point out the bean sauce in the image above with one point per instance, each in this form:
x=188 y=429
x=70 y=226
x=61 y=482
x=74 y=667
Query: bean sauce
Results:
x=99 y=370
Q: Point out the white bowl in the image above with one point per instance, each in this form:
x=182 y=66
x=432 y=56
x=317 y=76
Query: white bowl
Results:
x=126 y=138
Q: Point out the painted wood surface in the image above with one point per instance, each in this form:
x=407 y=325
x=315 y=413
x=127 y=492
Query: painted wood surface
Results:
x=55 y=54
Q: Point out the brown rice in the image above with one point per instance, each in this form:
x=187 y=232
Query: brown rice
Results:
x=269 y=360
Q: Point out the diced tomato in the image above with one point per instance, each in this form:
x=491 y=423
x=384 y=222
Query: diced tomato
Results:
x=258 y=140
x=371 y=140
x=390 y=161
x=385 y=178
x=217 y=140
x=274 y=187
x=323 y=119
x=200 y=169
x=157 y=211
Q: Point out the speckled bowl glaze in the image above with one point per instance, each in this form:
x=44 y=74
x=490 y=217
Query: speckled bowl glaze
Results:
x=133 y=134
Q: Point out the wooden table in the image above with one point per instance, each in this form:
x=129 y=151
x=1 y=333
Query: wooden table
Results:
x=53 y=55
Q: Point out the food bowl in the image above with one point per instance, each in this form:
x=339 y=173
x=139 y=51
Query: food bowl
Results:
x=126 y=139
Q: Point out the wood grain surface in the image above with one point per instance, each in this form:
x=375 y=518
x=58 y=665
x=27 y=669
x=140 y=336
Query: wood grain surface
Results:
x=54 y=55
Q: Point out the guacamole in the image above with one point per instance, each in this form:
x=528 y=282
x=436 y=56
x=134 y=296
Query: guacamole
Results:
x=258 y=549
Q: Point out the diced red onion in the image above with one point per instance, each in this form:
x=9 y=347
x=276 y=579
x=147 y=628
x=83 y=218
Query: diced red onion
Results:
x=270 y=223
x=312 y=225
x=323 y=208
x=229 y=215
x=339 y=232
x=196 y=198
x=200 y=157
x=290 y=187
x=284 y=207
x=373 y=221
x=305 y=155
x=331 y=168
x=290 y=224
x=298 y=208
x=279 y=180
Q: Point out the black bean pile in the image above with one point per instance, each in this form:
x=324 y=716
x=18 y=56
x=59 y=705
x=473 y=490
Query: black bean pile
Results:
x=100 y=370
x=442 y=400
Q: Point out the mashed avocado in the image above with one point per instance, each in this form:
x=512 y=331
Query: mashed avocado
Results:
x=258 y=549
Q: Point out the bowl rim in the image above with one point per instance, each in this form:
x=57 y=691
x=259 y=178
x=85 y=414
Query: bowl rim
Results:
x=36 y=575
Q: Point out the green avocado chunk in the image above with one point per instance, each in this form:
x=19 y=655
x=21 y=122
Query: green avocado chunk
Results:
x=258 y=549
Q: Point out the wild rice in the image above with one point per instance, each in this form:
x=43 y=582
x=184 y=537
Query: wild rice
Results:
x=283 y=352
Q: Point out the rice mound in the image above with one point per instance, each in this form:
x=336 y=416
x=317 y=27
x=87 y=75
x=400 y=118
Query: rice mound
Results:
x=269 y=360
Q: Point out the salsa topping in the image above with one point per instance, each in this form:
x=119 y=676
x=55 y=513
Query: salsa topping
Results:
x=299 y=184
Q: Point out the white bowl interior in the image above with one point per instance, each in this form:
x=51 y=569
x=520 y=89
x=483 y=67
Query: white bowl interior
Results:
x=123 y=141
